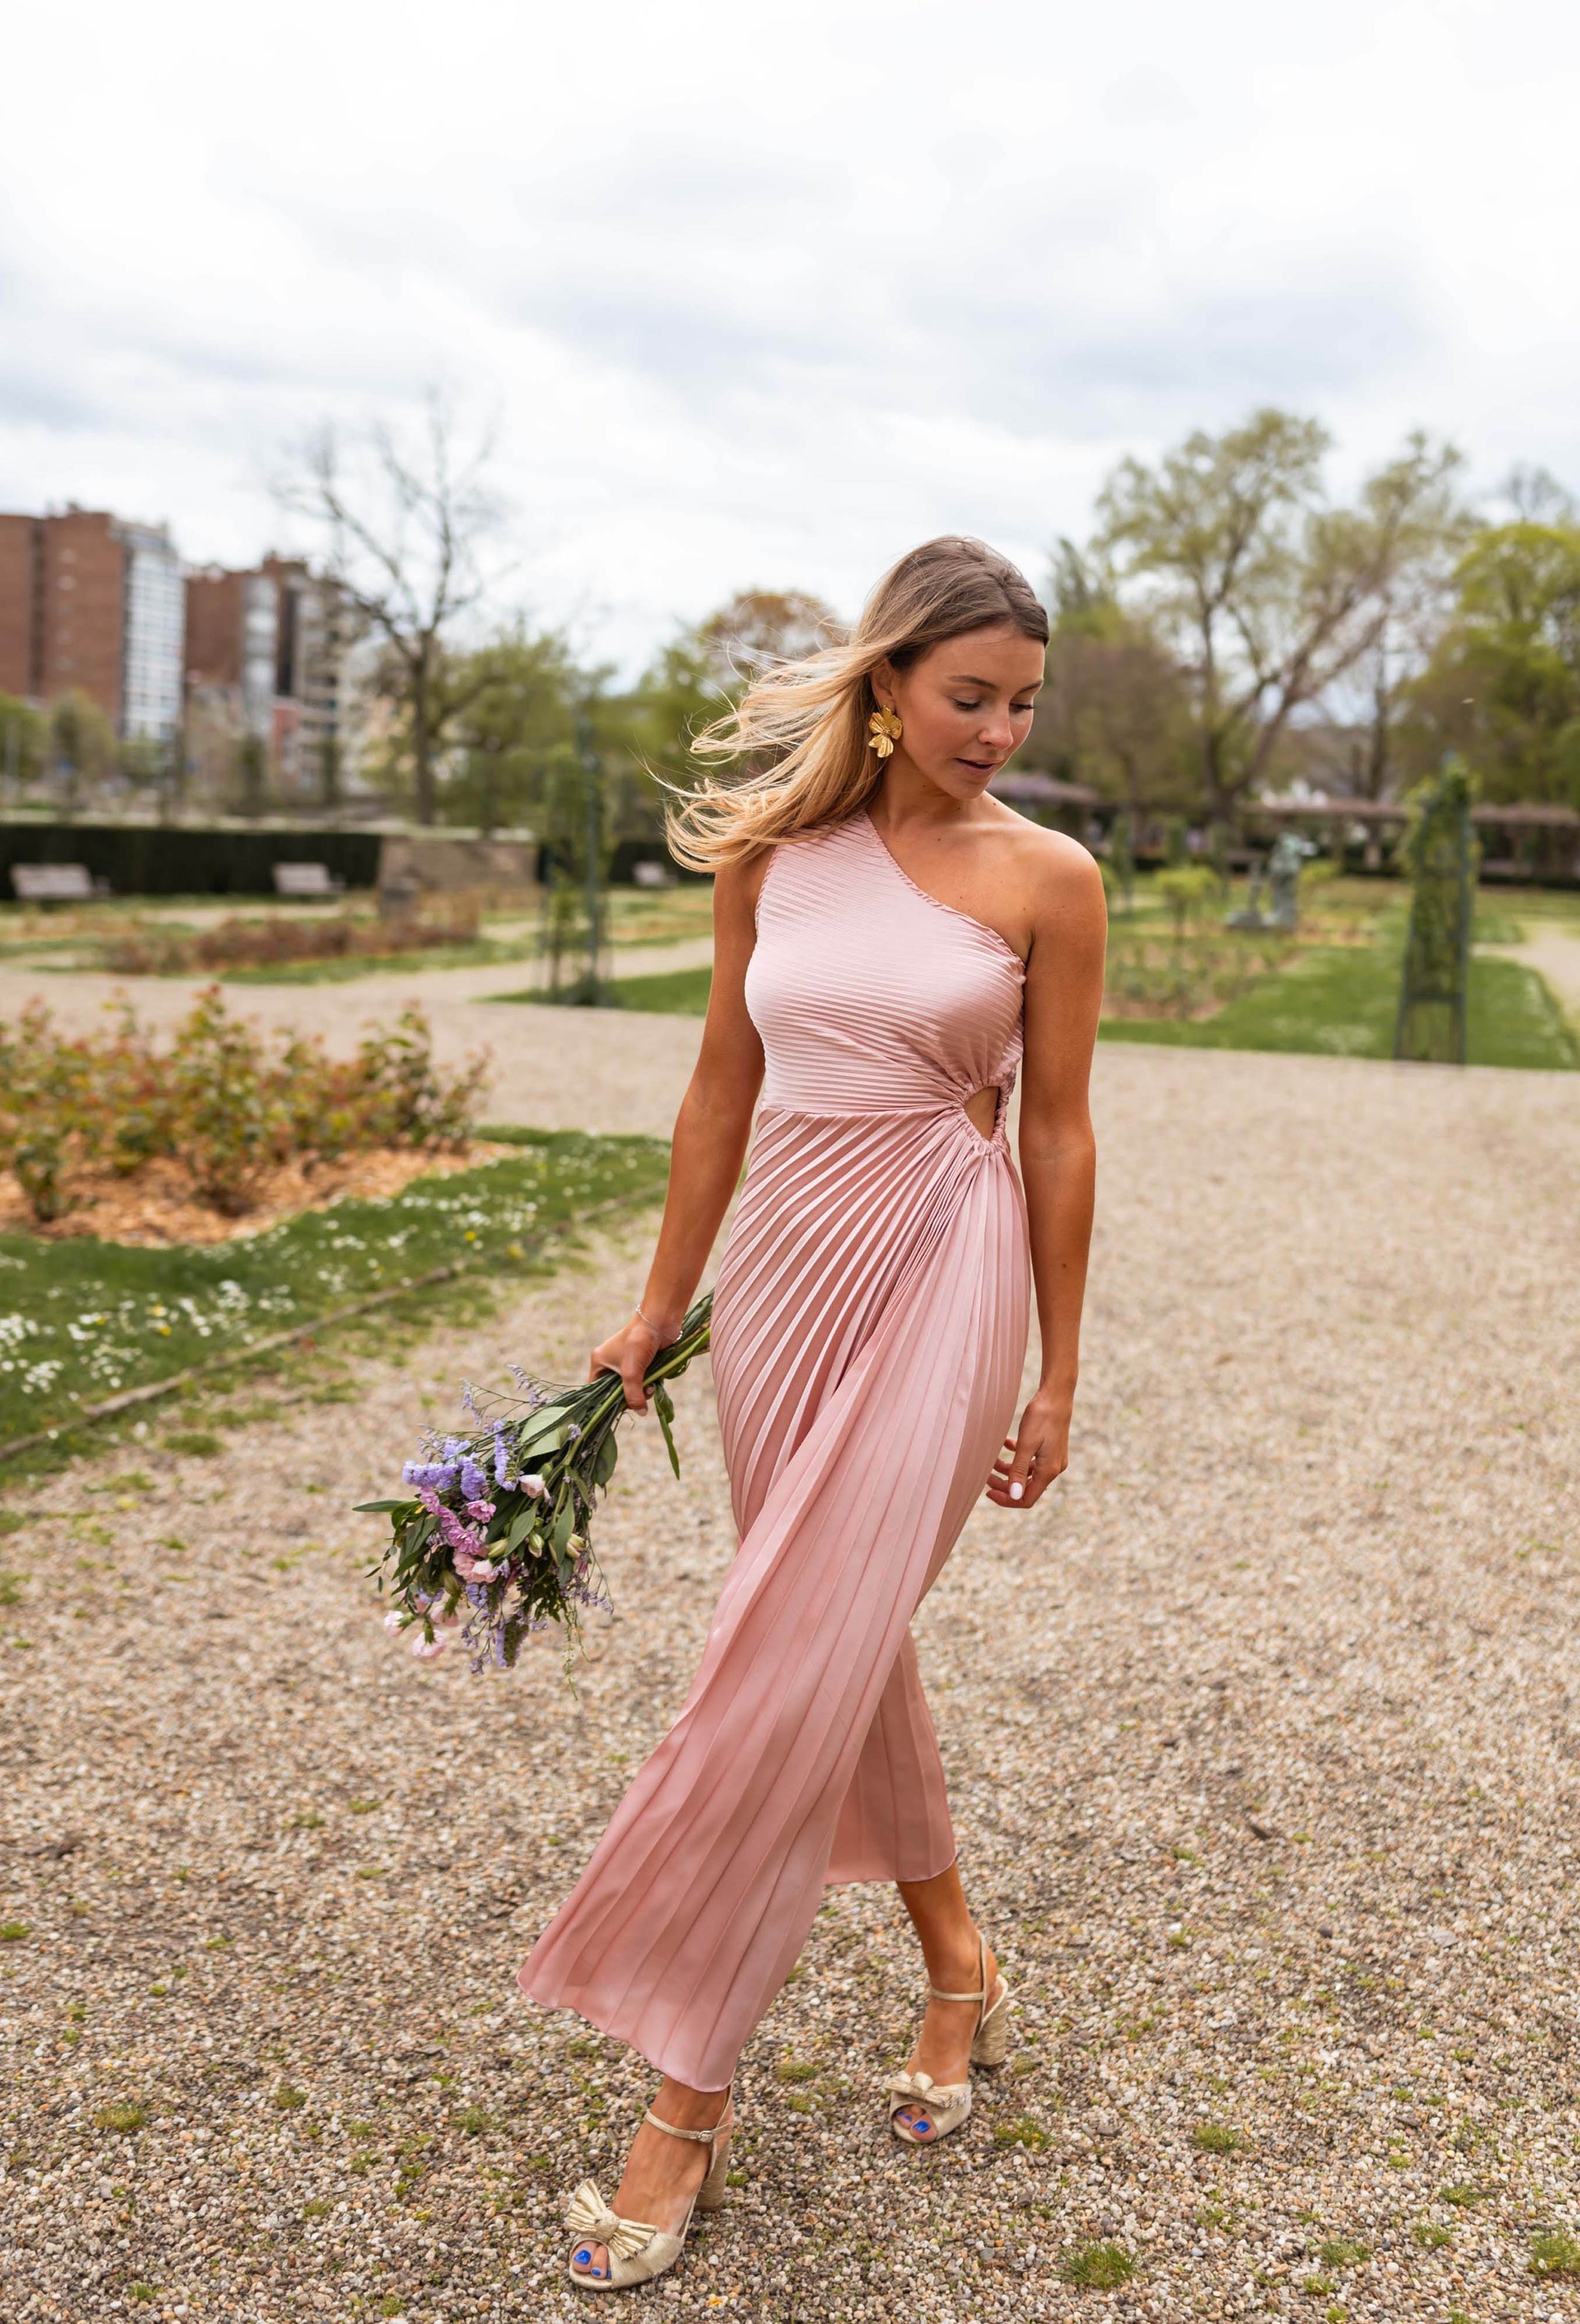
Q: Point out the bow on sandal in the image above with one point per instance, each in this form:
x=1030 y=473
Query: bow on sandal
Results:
x=639 y=2252
x=946 y=2105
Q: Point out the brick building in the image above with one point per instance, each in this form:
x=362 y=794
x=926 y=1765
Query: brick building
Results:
x=93 y=604
x=265 y=656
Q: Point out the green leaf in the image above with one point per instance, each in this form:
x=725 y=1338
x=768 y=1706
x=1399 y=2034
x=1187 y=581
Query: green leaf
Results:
x=663 y=1405
x=608 y=1454
x=564 y=1525
x=520 y=1526
x=382 y=1508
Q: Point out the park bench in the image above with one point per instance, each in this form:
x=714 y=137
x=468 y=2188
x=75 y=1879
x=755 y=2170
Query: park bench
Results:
x=306 y=879
x=52 y=883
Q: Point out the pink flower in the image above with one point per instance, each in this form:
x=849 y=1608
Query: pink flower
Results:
x=534 y=1487
x=425 y=1649
x=479 y=1511
x=394 y=1621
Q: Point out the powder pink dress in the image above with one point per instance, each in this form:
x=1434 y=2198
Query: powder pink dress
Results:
x=869 y=1330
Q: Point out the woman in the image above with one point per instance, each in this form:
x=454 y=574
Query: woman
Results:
x=890 y=940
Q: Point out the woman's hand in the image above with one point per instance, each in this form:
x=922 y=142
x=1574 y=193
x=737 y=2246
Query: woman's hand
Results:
x=1032 y=1458
x=628 y=1352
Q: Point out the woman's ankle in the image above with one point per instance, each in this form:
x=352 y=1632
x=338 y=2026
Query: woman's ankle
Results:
x=690 y=2109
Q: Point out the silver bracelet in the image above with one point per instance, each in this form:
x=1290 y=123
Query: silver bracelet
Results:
x=649 y=1322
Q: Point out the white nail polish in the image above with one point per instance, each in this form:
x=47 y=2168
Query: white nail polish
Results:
x=1015 y=1492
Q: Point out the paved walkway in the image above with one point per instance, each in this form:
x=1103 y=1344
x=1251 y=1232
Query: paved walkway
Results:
x=1262 y=1733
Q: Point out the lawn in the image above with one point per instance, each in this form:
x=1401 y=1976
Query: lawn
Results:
x=82 y=1320
x=1342 y=1001
x=1336 y=1001
x=675 y=992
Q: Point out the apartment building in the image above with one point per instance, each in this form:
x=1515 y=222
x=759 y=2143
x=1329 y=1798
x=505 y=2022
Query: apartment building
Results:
x=265 y=657
x=90 y=602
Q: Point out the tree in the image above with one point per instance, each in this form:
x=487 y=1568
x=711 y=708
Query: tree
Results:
x=703 y=669
x=1415 y=502
x=1269 y=594
x=1502 y=686
x=403 y=527
x=83 y=742
x=524 y=692
x=758 y=626
x=24 y=743
x=1113 y=711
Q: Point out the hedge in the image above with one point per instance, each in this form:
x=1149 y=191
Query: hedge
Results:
x=185 y=859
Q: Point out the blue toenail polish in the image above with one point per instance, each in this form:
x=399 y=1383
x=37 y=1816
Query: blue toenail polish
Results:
x=582 y=2256
x=923 y=2124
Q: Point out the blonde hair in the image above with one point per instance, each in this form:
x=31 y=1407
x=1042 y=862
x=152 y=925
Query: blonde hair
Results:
x=801 y=726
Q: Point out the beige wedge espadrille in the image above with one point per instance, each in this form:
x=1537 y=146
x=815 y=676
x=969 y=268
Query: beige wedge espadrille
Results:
x=949 y=2103
x=638 y=2252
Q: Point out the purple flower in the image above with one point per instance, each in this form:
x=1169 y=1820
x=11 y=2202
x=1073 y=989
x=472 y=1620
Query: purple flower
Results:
x=430 y=1476
x=473 y=1483
x=502 y=1460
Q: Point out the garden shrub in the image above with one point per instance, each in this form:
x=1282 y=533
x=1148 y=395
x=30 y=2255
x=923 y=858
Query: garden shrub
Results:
x=274 y=940
x=227 y=1104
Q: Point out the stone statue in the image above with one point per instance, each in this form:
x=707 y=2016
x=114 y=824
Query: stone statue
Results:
x=1281 y=875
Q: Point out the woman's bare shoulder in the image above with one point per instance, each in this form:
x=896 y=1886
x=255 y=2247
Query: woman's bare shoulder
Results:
x=1056 y=875
x=738 y=885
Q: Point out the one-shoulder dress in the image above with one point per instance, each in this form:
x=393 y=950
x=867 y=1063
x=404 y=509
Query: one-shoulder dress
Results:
x=870 y=1331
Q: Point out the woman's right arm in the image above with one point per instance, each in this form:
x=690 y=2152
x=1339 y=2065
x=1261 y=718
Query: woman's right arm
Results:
x=711 y=1134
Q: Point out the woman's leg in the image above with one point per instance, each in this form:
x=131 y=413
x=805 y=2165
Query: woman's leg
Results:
x=661 y=2175
x=950 y=1948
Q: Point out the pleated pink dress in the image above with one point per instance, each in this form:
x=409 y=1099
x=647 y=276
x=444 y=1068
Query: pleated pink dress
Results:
x=869 y=1330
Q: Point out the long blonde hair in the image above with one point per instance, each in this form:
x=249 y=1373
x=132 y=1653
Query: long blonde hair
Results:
x=801 y=726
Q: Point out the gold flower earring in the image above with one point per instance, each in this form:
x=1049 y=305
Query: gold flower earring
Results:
x=882 y=732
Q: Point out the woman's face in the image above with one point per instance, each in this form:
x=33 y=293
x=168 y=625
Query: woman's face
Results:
x=965 y=706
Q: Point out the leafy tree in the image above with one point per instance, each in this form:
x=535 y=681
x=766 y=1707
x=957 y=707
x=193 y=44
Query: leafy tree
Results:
x=82 y=741
x=758 y=626
x=402 y=527
x=1502 y=686
x=1269 y=594
x=701 y=670
x=1415 y=500
x=23 y=742
x=523 y=693
x=1113 y=711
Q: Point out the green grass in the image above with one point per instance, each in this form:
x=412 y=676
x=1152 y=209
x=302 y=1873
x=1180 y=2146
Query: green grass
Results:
x=1555 y=2251
x=1333 y=1000
x=677 y=992
x=1341 y=1002
x=1098 y=2267
x=81 y=1319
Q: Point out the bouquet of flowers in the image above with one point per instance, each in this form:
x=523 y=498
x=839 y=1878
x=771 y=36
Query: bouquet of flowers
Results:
x=495 y=1531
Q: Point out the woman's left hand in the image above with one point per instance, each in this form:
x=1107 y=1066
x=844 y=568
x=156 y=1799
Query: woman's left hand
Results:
x=1032 y=1458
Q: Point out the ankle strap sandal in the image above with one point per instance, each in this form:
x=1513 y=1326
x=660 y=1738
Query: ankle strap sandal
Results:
x=637 y=2251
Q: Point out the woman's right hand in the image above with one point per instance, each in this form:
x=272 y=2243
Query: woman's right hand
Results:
x=628 y=1352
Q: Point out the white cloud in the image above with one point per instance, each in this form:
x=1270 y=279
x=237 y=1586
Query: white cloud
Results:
x=765 y=299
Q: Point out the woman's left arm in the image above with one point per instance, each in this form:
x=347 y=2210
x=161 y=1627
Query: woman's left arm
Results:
x=1058 y=1153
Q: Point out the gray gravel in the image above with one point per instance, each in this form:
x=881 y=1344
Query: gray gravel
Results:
x=1265 y=1743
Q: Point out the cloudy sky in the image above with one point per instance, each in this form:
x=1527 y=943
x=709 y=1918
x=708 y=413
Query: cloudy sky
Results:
x=764 y=297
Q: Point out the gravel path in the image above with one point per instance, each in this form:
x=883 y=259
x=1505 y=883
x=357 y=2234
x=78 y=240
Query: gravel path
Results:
x=1263 y=1734
x=1555 y=955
